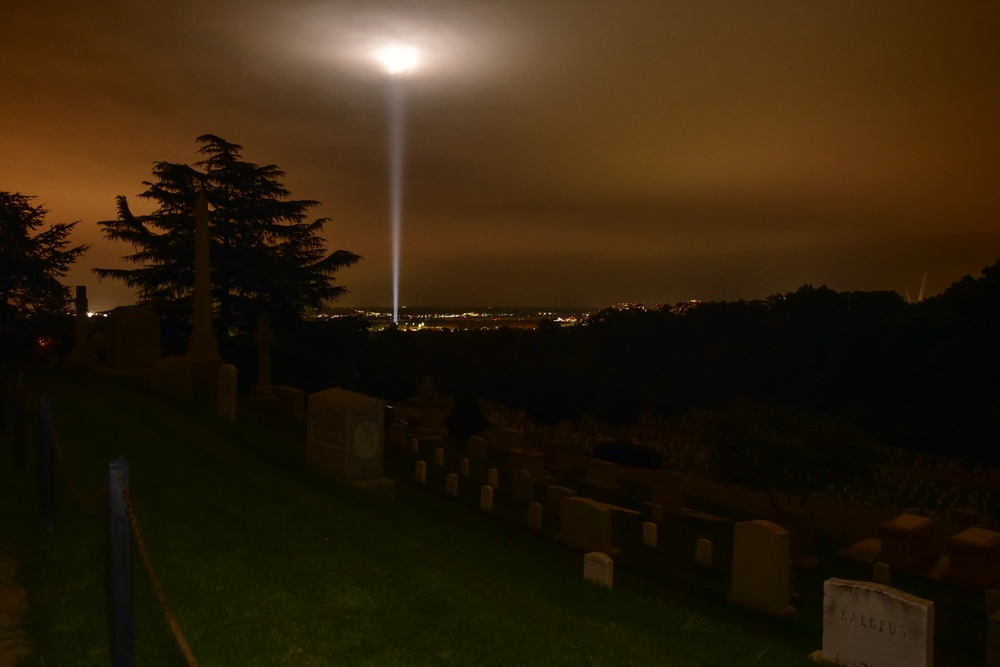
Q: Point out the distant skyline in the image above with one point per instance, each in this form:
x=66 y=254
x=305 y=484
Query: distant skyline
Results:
x=583 y=153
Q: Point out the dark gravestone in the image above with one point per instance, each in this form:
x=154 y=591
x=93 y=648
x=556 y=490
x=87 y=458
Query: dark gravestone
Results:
x=586 y=524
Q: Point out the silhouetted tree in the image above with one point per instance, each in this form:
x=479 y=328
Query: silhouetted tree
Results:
x=33 y=261
x=267 y=259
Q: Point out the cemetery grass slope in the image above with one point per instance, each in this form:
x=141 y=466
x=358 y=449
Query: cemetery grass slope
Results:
x=264 y=564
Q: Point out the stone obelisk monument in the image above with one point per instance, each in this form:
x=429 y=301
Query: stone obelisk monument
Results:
x=203 y=349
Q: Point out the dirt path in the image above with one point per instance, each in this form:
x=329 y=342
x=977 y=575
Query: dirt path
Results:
x=14 y=646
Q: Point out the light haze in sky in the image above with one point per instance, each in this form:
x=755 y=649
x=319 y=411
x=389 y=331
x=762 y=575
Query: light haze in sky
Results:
x=558 y=152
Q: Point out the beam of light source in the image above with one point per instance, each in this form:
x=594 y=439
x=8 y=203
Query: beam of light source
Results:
x=397 y=136
x=398 y=61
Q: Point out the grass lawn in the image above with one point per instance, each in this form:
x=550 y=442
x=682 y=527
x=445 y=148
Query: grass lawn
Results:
x=267 y=565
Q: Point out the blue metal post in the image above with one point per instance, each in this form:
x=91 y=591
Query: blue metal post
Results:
x=122 y=622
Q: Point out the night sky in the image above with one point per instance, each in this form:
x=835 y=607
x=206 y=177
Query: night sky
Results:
x=559 y=152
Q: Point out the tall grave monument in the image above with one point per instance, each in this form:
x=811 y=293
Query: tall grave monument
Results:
x=203 y=349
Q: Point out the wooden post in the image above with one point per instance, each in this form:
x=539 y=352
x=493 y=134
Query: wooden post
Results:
x=46 y=463
x=122 y=622
x=19 y=421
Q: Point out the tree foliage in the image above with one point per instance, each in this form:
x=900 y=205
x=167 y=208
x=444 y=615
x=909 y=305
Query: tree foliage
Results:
x=267 y=257
x=33 y=261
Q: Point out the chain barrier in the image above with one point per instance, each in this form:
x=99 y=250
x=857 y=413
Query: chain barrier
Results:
x=154 y=581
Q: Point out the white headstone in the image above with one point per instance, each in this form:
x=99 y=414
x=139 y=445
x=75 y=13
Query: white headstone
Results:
x=875 y=625
x=598 y=568
x=451 y=485
x=762 y=568
x=649 y=534
x=486 y=498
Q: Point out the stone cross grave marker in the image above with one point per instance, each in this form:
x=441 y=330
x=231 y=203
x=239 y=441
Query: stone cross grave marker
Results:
x=761 y=568
x=875 y=625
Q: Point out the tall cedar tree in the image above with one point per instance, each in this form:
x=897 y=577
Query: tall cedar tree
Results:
x=267 y=259
x=33 y=262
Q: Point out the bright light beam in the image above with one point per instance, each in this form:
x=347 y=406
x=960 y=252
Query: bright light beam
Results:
x=397 y=140
x=398 y=61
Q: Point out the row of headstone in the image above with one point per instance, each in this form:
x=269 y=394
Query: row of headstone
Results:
x=866 y=623
x=908 y=542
